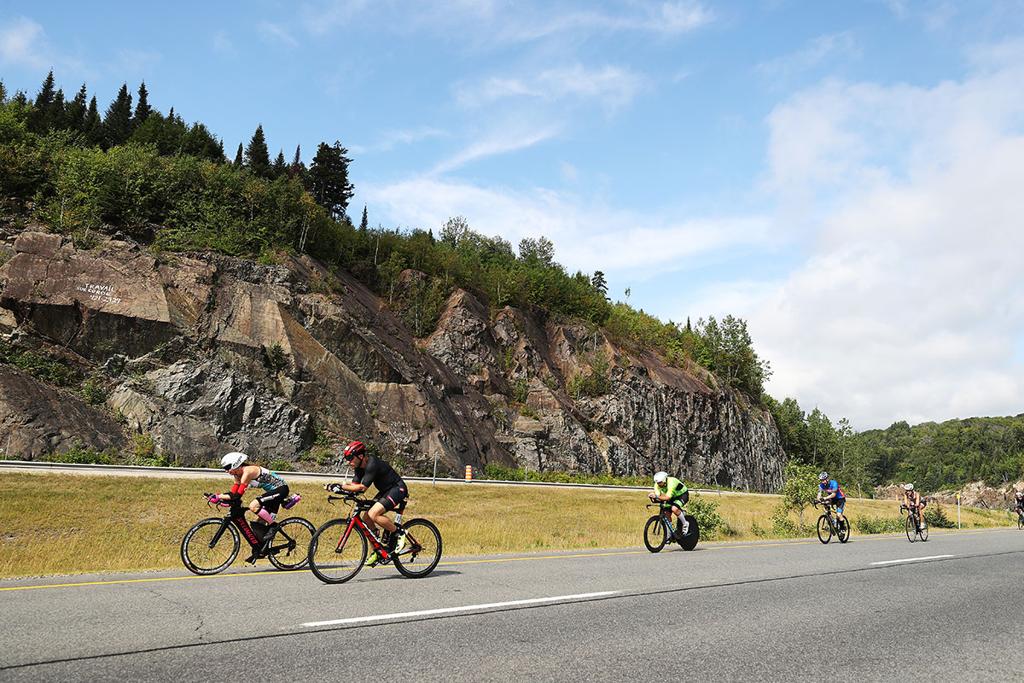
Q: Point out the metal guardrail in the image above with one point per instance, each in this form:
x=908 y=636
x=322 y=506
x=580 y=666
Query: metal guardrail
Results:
x=143 y=469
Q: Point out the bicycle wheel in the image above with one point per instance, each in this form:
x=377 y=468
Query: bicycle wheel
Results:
x=1020 y=521
x=210 y=546
x=824 y=529
x=654 y=534
x=289 y=548
x=924 y=529
x=843 y=530
x=689 y=541
x=422 y=549
x=332 y=561
x=911 y=531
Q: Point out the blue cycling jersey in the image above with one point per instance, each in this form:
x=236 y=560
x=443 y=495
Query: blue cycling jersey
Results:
x=831 y=486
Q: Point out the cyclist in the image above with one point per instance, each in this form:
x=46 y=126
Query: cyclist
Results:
x=669 y=489
x=391 y=492
x=1018 y=505
x=912 y=499
x=830 y=492
x=265 y=506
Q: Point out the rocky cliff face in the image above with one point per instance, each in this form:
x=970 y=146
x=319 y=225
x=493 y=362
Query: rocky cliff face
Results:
x=207 y=353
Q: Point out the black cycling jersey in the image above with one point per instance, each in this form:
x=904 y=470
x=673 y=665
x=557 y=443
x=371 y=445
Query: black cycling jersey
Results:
x=378 y=473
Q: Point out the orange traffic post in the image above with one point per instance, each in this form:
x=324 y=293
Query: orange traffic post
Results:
x=469 y=473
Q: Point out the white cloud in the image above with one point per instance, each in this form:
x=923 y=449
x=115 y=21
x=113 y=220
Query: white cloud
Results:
x=493 y=22
x=21 y=44
x=818 y=51
x=911 y=303
x=223 y=44
x=275 y=33
x=501 y=140
x=397 y=138
x=613 y=86
x=587 y=235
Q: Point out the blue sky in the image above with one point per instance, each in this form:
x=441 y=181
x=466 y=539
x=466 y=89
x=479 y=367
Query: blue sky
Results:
x=840 y=174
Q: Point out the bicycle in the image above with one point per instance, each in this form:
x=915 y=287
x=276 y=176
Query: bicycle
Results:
x=336 y=554
x=916 y=525
x=829 y=526
x=658 y=530
x=212 y=544
x=1020 y=518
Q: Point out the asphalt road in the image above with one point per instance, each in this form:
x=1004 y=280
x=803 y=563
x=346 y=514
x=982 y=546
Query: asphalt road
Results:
x=752 y=611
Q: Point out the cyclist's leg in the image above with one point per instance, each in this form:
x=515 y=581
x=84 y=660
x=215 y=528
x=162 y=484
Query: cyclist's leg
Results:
x=266 y=506
x=680 y=512
x=840 y=504
x=386 y=502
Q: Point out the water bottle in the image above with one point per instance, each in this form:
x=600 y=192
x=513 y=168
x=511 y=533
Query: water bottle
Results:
x=291 y=501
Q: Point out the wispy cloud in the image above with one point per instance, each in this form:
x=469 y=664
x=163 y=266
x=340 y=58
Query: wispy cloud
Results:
x=276 y=33
x=497 y=22
x=23 y=43
x=398 y=138
x=223 y=44
x=819 y=51
x=613 y=86
x=586 y=233
x=500 y=141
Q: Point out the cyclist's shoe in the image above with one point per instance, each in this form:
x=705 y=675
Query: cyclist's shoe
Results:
x=256 y=555
x=372 y=559
x=398 y=541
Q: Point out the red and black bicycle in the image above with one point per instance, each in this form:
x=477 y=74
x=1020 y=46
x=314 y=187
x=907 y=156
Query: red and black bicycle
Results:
x=338 y=549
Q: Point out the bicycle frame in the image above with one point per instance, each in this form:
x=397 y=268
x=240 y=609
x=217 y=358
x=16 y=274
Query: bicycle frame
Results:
x=355 y=521
x=236 y=515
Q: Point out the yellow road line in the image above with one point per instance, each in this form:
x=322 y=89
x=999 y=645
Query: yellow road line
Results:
x=151 y=580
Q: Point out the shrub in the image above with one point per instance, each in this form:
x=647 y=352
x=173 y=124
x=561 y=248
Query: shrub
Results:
x=879 y=525
x=708 y=518
x=79 y=454
x=936 y=517
x=279 y=465
x=93 y=391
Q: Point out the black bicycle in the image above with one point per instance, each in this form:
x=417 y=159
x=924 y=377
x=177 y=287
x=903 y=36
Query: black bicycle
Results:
x=829 y=525
x=339 y=547
x=1020 y=518
x=917 y=526
x=658 y=529
x=212 y=544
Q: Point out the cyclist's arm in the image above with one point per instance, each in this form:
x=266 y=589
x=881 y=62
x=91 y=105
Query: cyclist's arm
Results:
x=237 y=489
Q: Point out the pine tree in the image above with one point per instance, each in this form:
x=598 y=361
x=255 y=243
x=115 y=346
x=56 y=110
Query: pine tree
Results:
x=56 y=116
x=365 y=223
x=39 y=118
x=3 y=93
x=142 y=108
x=599 y=283
x=117 y=122
x=75 y=113
x=238 y=156
x=279 y=168
x=93 y=127
x=257 y=158
x=297 y=169
x=328 y=179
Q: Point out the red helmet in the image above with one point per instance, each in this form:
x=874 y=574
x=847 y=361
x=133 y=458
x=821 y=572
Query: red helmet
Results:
x=354 y=450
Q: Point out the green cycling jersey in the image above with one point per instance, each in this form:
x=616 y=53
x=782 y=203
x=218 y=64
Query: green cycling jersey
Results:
x=673 y=487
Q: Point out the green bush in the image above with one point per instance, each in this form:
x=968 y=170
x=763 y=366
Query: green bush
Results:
x=708 y=518
x=82 y=455
x=39 y=366
x=93 y=392
x=279 y=465
x=936 y=517
x=879 y=525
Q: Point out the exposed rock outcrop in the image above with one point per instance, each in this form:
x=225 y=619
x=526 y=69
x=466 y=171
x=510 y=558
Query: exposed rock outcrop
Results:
x=207 y=352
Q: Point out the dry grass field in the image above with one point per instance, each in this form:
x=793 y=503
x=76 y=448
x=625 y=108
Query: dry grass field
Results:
x=59 y=524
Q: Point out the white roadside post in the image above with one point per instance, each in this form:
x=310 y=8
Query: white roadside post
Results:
x=958 y=511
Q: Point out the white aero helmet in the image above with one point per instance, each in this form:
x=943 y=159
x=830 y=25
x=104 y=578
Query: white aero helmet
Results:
x=660 y=477
x=908 y=487
x=233 y=460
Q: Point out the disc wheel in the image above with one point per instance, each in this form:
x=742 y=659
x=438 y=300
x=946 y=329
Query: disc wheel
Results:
x=333 y=561
x=289 y=548
x=689 y=541
x=210 y=546
x=843 y=530
x=422 y=549
x=654 y=534
x=911 y=531
x=824 y=529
